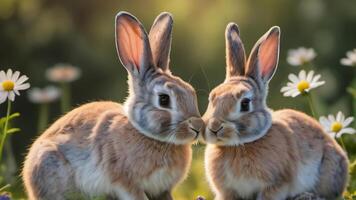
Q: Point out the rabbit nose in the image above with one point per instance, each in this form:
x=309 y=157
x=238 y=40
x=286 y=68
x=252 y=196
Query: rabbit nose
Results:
x=196 y=124
x=215 y=126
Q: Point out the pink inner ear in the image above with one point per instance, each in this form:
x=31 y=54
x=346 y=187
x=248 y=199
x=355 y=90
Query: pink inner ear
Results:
x=130 y=43
x=268 y=55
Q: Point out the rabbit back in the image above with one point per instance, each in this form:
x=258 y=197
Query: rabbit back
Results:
x=323 y=164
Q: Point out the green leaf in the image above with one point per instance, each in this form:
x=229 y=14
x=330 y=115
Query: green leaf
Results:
x=13 y=130
x=12 y=116
x=2 y=121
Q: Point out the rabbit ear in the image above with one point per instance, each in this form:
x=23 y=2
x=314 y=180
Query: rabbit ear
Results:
x=235 y=52
x=160 y=37
x=263 y=59
x=132 y=44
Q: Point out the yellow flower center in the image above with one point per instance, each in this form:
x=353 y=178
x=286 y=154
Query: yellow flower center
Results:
x=8 y=85
x=336 y=127
x=303 y=60
x=302 y=86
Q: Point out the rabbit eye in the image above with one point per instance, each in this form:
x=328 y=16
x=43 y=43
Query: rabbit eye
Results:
x=245 y=105
x=164 y=100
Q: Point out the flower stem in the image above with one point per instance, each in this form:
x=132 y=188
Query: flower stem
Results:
x=43 y=117
x=4 y=187
x=65 y=100
x=3 y=136
x=342 y=143
x=311 y=105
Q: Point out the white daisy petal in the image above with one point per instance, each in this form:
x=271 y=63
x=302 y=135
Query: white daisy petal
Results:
x=338 y=135
x=17 y=92
x=315 y=85
x=2 y=76
x=15 y=76
x=346 y=61
x=291 y=84
x=338 y=116
x=22 y=79
x=347 y=131
x=350 y=59
x=331 y=118
x=293 y=78
x=23 y=86
x=349 y=54
x=316 y=78
x=9 y=73
x=287 y=88
x=287 y=94
x=323 y=121
x=12 y=95
x=290 y=92
x=292 y=61
x=310 y=76
x=331 y=134
x=342 y=119
x=319 y=83
x=302 y=75
x=295 y=94
x=347 y=121
x=3 y=96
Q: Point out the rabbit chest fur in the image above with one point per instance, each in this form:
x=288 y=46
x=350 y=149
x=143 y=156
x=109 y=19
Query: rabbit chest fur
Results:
x=104 y=154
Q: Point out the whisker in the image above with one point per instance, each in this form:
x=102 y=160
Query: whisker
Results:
x=170 y=131
x=206 y=78
x=191 y=77
x=167 y=145
x=206 y=92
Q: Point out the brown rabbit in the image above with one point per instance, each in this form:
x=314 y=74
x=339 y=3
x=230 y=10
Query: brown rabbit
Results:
x=256 y=153
x=133 y=152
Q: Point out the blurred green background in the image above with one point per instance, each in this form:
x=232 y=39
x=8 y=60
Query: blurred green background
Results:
x=36 y=34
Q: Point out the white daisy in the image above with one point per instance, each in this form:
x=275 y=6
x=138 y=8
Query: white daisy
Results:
x=45 y=95
x=350 y=59
x=63 y=73
x=301 y=84
x=10 y=84
x=300 y=56
x=337 y=126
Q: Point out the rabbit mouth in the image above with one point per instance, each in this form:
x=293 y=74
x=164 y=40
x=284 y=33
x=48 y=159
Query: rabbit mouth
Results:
x=195 y=130
x=216 y=131
x=196 y=133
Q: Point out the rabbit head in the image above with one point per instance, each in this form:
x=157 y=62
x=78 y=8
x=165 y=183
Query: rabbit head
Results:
x=237 y=111
x=159 y=105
